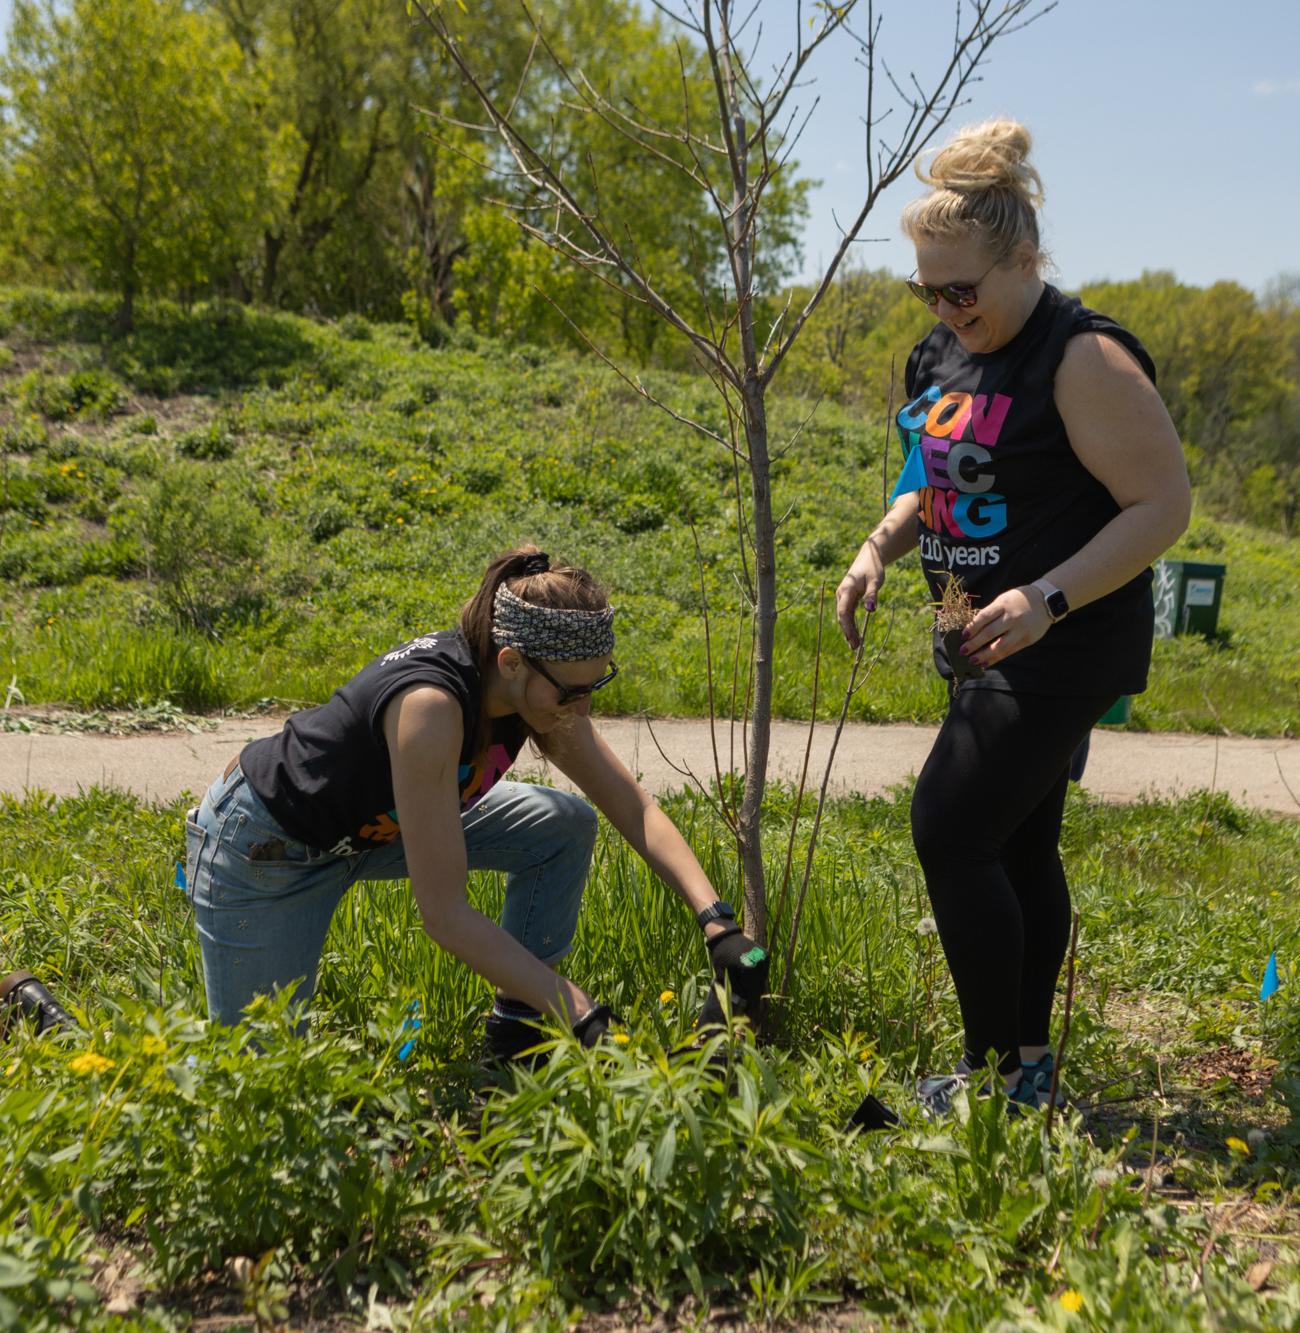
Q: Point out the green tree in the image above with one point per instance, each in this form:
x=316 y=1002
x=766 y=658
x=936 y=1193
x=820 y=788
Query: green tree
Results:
x=133 y=153
x=337 y=81
x=1227 y=365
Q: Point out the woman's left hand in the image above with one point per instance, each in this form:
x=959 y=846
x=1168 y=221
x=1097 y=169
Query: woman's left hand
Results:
x=1011 y=621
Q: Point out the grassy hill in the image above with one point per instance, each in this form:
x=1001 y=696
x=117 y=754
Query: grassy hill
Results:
x=233 y=506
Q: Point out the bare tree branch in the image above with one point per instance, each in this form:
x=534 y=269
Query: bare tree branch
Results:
x=635 y=384
x=929 y=113
x=685 y=771
x=852 y=688
x=708 y=663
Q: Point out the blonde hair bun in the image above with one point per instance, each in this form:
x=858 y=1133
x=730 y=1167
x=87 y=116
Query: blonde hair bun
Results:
x=991 y=155
x=981 y=183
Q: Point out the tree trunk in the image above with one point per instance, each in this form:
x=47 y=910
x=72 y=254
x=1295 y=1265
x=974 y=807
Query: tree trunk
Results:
x=124 y=320
x=740 y=244
x=760 y=727
x=272 y=244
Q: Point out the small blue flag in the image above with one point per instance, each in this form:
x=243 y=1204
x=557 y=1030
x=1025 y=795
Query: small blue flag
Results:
x=912 y=477
x=1270 y=983
x=410 y=1025
x=180 y=875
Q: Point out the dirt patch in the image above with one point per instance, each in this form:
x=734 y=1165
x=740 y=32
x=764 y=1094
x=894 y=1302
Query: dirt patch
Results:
x=1247 y=1071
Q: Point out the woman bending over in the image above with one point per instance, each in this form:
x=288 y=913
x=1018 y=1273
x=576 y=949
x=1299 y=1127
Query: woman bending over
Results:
x=399 y=775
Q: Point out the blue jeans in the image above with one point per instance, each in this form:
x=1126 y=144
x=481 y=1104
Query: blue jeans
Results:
x=263 y=901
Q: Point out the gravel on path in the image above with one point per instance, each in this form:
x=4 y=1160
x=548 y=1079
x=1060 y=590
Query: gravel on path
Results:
x=1123 y=766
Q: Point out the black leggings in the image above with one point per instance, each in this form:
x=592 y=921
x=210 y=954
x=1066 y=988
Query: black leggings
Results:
x=986 y=820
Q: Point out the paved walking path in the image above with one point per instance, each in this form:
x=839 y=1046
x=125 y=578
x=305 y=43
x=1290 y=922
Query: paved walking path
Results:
x=1123 y=766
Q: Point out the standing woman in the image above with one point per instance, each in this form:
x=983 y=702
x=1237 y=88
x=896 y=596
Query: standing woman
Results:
x=398 y=776
x=1046 y=475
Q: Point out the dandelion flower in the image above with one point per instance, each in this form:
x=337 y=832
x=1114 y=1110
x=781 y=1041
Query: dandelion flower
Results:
x=90 y=1062
x=665 y=996
x=622 y=1038
x=153 y=1045
x=1237 y=1145
x=1072 y=1300
x=926 y=926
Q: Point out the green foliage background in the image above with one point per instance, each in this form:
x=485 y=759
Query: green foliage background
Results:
x=230 y=506
x=323 y=157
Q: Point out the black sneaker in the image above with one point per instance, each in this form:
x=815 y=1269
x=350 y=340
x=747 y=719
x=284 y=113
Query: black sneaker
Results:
x=22 y=994
x=508 y=1041
x=936 y=1094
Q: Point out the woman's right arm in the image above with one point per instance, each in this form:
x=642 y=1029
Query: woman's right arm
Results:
x=894 y=537
x=423 y=728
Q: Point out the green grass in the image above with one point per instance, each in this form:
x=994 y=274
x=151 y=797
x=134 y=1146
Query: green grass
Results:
x=233 y=505
x=618 y=1182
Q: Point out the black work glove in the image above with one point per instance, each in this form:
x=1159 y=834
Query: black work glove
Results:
x=594 y=1024
x=741 y=964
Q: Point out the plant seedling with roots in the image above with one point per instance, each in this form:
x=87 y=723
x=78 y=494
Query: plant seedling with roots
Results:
x=954 y=611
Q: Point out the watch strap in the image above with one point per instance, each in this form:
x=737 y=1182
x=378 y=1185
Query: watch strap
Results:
x=715 y=911
x=1058 y=606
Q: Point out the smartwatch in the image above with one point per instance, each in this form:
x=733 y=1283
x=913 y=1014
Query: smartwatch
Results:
x=1058 y=606
x=718 y=911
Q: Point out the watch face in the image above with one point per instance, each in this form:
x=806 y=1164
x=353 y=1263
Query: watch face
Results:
x=1057 y=606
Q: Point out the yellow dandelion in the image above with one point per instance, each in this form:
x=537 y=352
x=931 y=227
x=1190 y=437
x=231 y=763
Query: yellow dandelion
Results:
x=622 y=1038
x=153 y=1045
x=399 y=519
x=1237 y=1145
x=1072 y=1300
x=863 y=1055
x=12 y=1070
x=90 y=1062
x=666 y=996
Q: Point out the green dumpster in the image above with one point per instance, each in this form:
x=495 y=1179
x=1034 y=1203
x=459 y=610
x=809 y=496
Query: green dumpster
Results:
x=1187 y=595
x=1118 y=713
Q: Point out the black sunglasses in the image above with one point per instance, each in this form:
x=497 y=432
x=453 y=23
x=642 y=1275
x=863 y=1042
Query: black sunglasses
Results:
x=955 y=293
x=568 y=693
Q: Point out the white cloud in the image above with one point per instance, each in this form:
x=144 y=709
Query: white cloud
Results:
x=1276 y=87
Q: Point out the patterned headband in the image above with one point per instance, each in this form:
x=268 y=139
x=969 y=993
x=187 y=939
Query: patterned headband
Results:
x=550 y=632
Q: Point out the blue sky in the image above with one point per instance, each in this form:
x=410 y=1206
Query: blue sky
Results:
x=1167 y=131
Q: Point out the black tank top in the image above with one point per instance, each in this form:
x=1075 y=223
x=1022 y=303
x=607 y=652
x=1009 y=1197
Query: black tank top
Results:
x=327 y=777
x=1007 y=499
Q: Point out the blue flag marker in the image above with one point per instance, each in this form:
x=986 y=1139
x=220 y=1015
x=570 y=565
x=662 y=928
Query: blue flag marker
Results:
x=1270 y=985
x=912 y=477
x=409 y=1025
x=180 y=875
